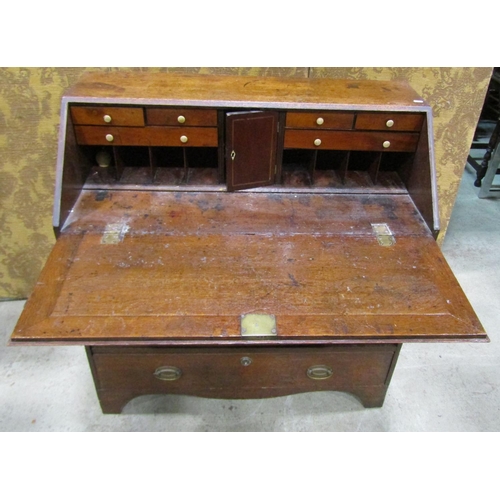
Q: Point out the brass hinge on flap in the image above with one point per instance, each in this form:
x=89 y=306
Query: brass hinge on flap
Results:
x=384 y=235
x=114 y=233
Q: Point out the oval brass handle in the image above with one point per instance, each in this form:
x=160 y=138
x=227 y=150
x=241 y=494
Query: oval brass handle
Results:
x=386 y=144
x=317 y=142
x=319 y=372
x=389 y=123
x=168 y=373
x=184 y=139
x=107 y=118
x=181 y=119
x=320 y=121
x=110 y=138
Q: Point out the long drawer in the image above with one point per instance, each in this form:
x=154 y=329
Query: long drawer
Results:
x=351 y=140
x=147 y=136
x=240 y=372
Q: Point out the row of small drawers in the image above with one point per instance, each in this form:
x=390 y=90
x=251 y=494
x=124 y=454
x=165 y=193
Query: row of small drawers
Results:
x=198 y=128
x=330 y=120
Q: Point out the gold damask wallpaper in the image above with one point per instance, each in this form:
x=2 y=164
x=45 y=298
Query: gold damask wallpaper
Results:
x=29 y=120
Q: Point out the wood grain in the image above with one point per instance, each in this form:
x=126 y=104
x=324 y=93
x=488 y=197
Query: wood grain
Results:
x=190 y=274
x=243 y=91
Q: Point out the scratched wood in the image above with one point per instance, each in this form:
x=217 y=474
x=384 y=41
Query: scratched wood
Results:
x=190 y=264
x=245 y=91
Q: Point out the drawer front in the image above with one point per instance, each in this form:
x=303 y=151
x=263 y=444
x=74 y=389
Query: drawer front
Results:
x=182 y=117
x=320 y=120
x=107 y=115
x=389 y=121
x=147 y=136
x=240 y=372
x=355 y=141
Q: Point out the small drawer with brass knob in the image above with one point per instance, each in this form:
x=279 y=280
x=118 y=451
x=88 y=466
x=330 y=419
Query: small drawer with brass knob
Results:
x=187 y=117
x=108 y=115
x=404 y=122
x=332 y=120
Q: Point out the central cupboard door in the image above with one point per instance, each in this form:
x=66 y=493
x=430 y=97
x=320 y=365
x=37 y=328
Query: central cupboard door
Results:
x=251 y=139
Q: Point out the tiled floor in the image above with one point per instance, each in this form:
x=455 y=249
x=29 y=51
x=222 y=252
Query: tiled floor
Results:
x=436 y=387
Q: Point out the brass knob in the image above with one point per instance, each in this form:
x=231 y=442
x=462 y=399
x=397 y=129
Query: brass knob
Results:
x=181 y=119
x=317 y=142
x=319 y=372
x=107 y=118
x=389 y=123
x=109 y=138
x=386 y=144
x=168 y=373
x=184 y=139
x=320 y=121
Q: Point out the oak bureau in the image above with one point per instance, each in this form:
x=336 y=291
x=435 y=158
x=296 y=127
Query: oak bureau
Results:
x=241 y=237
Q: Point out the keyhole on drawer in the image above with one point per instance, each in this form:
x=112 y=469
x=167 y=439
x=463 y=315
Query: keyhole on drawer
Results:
x=246 y=361
x=233 y=155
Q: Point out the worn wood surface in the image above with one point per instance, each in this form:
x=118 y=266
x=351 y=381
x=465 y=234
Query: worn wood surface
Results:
x=244 y=91
x=191 y=264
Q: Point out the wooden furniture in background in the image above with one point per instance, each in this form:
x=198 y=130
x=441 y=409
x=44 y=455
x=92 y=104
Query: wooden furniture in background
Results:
x=244 y=237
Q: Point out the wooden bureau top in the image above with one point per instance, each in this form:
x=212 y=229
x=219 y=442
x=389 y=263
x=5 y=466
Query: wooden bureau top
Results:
x=244 y=91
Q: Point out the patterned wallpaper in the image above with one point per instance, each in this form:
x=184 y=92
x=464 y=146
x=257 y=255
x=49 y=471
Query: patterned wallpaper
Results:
x=29 y=119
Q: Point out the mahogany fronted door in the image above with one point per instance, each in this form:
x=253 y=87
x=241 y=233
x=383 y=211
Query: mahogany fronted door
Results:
x=251 y=149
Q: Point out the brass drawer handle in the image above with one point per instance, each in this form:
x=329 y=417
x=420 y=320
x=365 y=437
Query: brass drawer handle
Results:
x=389 y=123
x=181 y=119
x=184 y=139
x=386 y=144
x=107 y=118
x=317 y=142
x=110 y=138
x=319 y=372
x=168 y=373
x=320 y=121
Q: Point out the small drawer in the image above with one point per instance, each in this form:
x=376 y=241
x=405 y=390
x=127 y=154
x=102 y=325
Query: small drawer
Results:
x=320 y=120
x=407 y=122
x=147 y=136
x=182 y=117
x=355 y=141
x=107 y=115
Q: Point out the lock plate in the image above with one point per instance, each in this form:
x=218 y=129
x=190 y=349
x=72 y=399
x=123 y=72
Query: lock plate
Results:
x=258 y=325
